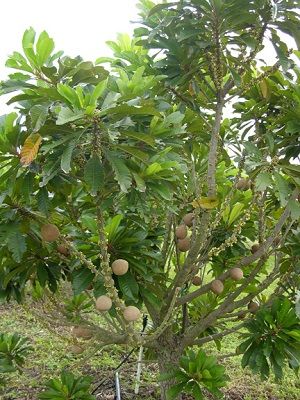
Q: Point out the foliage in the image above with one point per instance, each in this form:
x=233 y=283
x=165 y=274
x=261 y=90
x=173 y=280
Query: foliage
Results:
x=68 y=387
x=116 y=155
x=13 y=352
x=196 y=372
x=273 y=340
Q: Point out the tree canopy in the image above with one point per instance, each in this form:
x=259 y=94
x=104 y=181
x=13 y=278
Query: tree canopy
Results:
x=118 y=153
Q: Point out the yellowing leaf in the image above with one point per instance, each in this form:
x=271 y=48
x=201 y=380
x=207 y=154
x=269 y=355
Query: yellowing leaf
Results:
x=207 y=203
x=30 y=148
x=264 y=89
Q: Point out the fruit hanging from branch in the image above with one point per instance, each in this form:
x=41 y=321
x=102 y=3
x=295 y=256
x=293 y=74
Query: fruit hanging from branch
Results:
x=188 y=219
x=119 y=267
x=131 y=313
x=103 y=303
x=236 y=274
x=181 y=231
x=50 y=232
x=197 y=281
x=253 y=307
x=217 y=286
x=184 y=244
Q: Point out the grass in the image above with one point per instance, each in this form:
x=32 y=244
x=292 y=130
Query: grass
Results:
x=52 y=354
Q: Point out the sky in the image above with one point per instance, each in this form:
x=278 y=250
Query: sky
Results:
x=77 y=27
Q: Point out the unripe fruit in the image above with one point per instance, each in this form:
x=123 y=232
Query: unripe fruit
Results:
x=49 y=232
x=184 y=244
x=103 y=303
x=236 y=274
x=188 y=219
x=119 y=267
x=63 y=250
x=197 y=281
x=82 y=332
x=243 y=184
x=253 y=307
x=181 y=231
x=75 y=349
x=217 y=286
x=254 y=248
x=131 y=313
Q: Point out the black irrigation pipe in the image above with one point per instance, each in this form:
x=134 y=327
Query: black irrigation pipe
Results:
x=117 y=382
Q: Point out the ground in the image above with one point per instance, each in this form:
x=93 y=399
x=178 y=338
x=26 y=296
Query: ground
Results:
x=52 y=355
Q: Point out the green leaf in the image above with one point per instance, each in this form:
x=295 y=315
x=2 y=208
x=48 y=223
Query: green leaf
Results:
x=142 y=137
x=28 y=44
x=44 y=48
x=129 y=286
x=94 y=174
x=112 y=227
x=122 y=173
x=161 y=7
x=139 y=154
x=67 y=157
x=263 y=181
x=97 y=92
x=38 y=115
x=175 y=390
x=125 y=110
x=69 y=94
x=282 y=187
x=16 y=244
x=13 y=273
x=294 y=208
x=43 y=201
x=81 y=279
x=66 y=115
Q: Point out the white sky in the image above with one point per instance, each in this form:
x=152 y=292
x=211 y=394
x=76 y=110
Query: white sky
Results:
x=77 y=27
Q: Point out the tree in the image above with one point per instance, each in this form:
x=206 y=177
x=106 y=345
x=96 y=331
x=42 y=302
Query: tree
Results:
x=137 y=163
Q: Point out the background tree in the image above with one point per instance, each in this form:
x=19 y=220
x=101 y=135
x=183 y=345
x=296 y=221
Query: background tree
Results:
x=137 y=163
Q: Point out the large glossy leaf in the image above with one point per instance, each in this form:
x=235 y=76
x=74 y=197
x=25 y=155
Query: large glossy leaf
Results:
x=94 y=174
x=122 y=173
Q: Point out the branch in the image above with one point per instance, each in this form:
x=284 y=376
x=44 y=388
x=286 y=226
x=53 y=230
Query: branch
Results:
x=166 y=321
x=218 y=335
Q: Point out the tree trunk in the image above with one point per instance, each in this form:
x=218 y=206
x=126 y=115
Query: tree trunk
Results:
x=168 y=355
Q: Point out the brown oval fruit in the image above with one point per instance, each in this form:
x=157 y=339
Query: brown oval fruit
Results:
x=243 y=184
x=49 y=232
x=131 y=313
x=181 y=231
x=63 y=250
x=75 y=349
x=253 y=307
x=184 y=244
x=236 y=274
x=188 y=219
x=197 y=281
x=103 y=303
x=119 y=267
x=254 y=248
x=82 y=332
x=217 y=286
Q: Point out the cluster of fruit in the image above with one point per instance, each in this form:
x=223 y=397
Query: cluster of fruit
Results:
x=104 y=303
x=181 y=232
x=50 y=233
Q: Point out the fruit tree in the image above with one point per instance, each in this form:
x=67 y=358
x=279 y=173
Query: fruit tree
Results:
x=162 y=181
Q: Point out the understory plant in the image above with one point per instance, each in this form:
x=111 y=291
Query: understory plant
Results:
x=161 y=181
